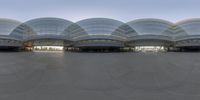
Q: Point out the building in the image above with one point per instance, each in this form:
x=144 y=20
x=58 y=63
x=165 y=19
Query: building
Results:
x=9 y=40
x=100 y=34
x=96 y=34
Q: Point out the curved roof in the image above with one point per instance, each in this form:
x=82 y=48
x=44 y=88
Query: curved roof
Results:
x=7 y=26
x=150 y=26
x=125 y=31
x=99 y=26
x=94 y=27
x=22 y=31
x=190 y=26
x=48 y=25
x=104 y=37
x=43 y=26
x=75 y=31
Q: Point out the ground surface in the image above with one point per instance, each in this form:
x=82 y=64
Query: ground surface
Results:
x=99 y=76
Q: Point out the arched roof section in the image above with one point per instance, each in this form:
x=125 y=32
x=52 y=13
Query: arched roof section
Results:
x=44 y=26
x=23 y=32
x=7 y=26
x=94 y=27
x=75 y=31
x=190 y=26
x=150 y=26
x=51 y=27
x=99 y=26
x=124 y=31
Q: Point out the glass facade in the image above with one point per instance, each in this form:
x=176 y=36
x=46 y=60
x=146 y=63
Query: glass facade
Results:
x=149 y=48
x=152 y=27
x=6 y=38
x=100 y=32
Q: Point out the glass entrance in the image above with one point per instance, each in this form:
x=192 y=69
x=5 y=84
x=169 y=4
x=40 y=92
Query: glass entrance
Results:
x=48 y=48
x=150 y=48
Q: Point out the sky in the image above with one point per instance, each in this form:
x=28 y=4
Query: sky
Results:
x=123 y=10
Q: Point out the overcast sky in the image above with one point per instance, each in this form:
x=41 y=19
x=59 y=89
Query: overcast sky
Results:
x=123 y=10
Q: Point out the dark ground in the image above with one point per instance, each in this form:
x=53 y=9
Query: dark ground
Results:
x=99 y=76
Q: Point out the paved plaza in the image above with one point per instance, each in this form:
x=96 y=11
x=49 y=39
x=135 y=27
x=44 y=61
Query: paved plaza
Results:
x=99 y=76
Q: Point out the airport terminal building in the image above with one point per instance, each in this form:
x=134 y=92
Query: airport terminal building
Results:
x=100 y=34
